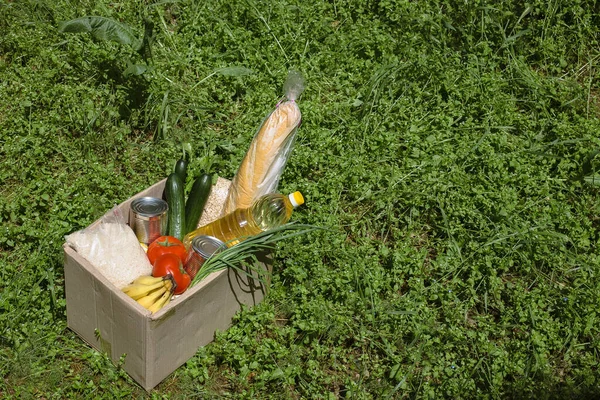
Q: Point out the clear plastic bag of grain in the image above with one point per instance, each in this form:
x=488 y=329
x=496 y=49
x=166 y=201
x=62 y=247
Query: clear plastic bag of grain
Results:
x=113 y=248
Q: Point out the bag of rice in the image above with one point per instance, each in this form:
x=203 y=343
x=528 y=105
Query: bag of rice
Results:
x=112 y=247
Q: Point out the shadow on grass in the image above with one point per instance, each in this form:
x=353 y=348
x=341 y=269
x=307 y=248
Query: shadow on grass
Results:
x=110 y=72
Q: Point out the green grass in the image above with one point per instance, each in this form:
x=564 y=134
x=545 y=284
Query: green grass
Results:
x=445 y=144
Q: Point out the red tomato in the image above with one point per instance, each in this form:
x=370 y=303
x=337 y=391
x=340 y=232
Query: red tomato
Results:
x=164 y=245
x=170 y=264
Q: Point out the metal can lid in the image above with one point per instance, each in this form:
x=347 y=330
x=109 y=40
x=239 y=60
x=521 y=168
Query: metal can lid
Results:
x=206 y=246
x=149 y=206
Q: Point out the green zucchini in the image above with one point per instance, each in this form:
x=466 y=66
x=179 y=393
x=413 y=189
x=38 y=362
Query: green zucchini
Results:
x=174 y=192
x=181 y=169
x=194 y=206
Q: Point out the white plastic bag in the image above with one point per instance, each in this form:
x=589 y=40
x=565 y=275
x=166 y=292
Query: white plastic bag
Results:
x=112 y=247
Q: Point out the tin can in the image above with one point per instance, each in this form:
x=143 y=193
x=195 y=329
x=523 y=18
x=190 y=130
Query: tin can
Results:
x=203 y=247
x=148 y=218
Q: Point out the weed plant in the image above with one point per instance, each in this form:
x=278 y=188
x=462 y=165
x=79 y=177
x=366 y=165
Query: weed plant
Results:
x=449 y=147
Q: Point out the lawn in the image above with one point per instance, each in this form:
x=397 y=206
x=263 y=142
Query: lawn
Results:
x=450 y=148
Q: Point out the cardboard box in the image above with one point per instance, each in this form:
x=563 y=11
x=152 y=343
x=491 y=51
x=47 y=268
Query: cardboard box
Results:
x=154 y=345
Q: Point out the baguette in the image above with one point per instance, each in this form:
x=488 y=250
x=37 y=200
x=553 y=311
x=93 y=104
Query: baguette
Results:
x=263 y=163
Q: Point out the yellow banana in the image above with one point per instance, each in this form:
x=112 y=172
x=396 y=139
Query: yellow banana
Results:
x=160 y=303
x=169 y=284
x=148 y=279
x=138 y=290
x=151 y=298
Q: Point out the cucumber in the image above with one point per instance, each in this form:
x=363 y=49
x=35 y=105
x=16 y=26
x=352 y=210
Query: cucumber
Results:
x=181 y=169
x=194 y=206
x=174 y=193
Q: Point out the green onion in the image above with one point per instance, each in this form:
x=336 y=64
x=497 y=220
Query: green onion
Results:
x=238 y=255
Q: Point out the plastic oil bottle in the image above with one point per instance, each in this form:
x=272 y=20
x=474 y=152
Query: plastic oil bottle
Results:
x=267 y=212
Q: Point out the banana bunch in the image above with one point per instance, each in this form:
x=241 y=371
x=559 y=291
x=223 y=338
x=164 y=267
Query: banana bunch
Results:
x=152 y=293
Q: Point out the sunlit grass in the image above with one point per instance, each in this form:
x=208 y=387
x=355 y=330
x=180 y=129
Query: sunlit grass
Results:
x=449 y=149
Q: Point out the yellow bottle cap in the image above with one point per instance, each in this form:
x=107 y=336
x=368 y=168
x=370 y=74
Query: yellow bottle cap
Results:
x=296 y=199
